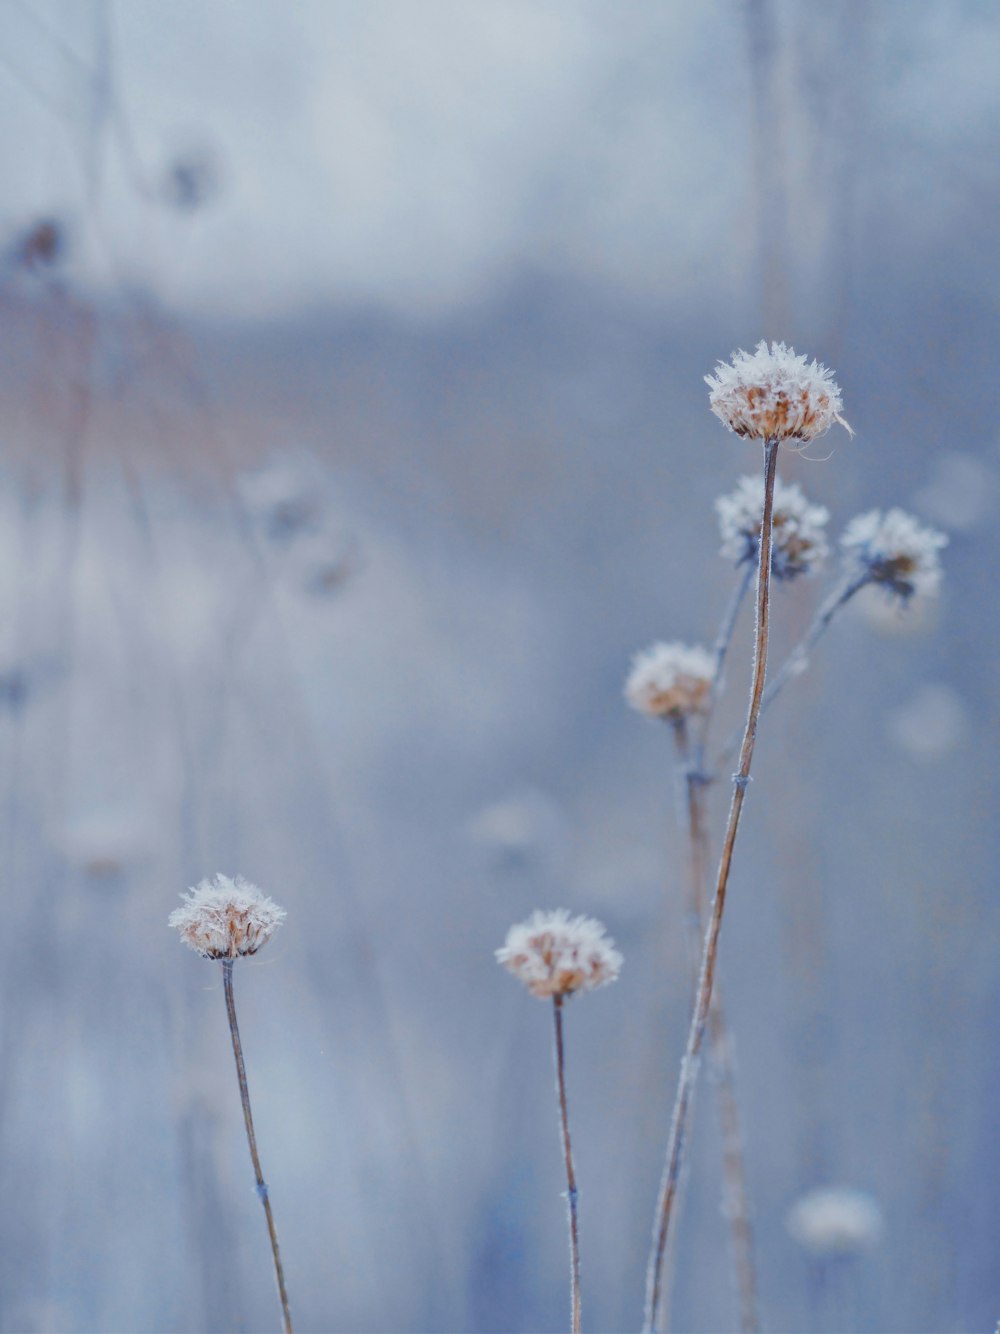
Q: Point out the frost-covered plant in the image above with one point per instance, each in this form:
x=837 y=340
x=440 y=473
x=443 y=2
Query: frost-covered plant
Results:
x=670 y=681
x=228 y=919
x=798 y=541
x=555 y=955
x=894 y=550
x=771 y=394
x=774 y=396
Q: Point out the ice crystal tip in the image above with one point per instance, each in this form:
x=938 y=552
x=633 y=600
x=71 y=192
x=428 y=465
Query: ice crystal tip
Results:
x=835 y=1220
x=226 y=919
x=555 y=954
x=670 y=681
x=894 y=550
x=772 y=394
x=798 y=528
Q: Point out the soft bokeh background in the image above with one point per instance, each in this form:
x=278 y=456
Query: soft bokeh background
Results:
x=354 y=436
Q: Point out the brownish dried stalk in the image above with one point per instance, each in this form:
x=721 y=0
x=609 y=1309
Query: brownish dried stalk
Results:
x=574 y=1239
x=241 y=1075
x=700 y=1017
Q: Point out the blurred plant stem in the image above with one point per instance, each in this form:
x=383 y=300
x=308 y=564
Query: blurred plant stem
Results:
x=574 y=1241
x=699 y=1019
x=241 y=1075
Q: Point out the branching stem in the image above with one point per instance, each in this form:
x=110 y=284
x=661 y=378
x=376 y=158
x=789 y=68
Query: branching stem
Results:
x=241 y=1075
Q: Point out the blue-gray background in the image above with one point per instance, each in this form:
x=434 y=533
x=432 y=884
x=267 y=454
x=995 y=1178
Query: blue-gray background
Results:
x=353 y=437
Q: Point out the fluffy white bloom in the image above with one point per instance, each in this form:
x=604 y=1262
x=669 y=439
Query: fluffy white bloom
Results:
x=554 y=954
x=835 y=1221
x=798 y=536
x=894 y=550
x=771 y=394
x=226 y=919
x=670 y=680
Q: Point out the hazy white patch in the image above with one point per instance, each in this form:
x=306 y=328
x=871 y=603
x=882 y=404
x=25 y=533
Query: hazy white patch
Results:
x=522 y=831
x=931 y=723
x=961 y=494
x=108 y=842
x=836 y=1220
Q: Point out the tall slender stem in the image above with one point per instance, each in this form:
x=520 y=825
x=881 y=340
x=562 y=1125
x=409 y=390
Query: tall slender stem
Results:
x=699 y=1019
x=719 y=651
x=241 y=1075
x=736 y=1197
x=574 y=1239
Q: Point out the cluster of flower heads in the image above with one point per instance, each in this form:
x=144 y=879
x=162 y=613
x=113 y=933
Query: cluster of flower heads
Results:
x=772 y=394
x=895 y=550
x=671 y=681
x=226 y=919
x=555 y=954
x=798 y=531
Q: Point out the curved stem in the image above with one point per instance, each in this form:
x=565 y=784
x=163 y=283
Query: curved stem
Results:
x=699 y=1019
x=719 y=651
x=574 y=1240
x=241 y=1075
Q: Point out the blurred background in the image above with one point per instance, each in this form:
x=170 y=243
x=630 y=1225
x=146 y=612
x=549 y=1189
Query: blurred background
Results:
x=353 y=438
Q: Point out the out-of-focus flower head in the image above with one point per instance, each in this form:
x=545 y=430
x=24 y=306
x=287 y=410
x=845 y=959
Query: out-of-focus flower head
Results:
x=894 y=550
x=555 y=954
x=226 y=919
x=771 y=394
x=835 y=1220
x=670 y=681
x=798 y=533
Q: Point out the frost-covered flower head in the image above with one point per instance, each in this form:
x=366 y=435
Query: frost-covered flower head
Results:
x=798 y=536
x=894 y=550
x=835 y=1220
x=554 y=954
x=771 y=394
x=670 y=681
x=226 y=919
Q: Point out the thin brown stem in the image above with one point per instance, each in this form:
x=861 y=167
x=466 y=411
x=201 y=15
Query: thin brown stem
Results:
x=736 y=1197
x=699 y=1019
x=241 y=1075
x=574 y=1239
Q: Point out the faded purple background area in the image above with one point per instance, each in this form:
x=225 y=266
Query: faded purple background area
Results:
x=353 y=438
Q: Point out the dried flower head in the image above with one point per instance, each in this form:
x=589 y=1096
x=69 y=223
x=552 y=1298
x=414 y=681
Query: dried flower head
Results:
x=798 y=541
x=835 y=1220
x=670 y=681
x=554 y=954
x=771 y=394
x=226 y=919
x=894 y=550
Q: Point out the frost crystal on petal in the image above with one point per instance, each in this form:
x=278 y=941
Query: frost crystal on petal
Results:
x=798 y=532
x=771 y=394
x=835 y=1220
x=670 y=681
x=226 y=919
x=894 y=550
x=555 y=954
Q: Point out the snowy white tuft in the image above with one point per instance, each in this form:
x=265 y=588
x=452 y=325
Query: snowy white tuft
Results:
x=670 y=680
x=771 y=394
x=226 y=919
x=835 y=1220
x=554 y=954
x=798 y=542
x=894 y=550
